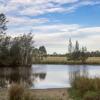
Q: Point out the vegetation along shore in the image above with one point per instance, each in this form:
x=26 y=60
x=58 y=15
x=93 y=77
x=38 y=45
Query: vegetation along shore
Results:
x=20 y=51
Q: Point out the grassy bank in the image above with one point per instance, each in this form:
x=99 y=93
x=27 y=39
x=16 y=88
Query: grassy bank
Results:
x=84 y=88
x=63 y=60
x=17 y=92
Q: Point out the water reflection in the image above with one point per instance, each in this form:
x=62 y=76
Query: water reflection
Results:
x=21 y=75
x=46 y=76
x=76 y=71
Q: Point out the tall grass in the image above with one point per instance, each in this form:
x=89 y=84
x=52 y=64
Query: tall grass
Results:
x=64 y=60
x=84 y=88
x=18 y=92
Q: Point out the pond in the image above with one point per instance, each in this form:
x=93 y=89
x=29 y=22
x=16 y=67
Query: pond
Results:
x=46 y=76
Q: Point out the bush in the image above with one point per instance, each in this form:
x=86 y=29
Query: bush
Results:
x=96 y=84
x=91 y=95
x=16 y=92
x=82 y=84
x=28 y=96
x=86 y=88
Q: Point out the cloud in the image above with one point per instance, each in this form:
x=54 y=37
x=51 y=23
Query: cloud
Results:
x=38 y=7
x=25 y=21
x=25 y=15
x=59 y=39
x=55 y=36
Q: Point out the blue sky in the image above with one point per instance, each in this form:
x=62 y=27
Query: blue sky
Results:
x=53 y=22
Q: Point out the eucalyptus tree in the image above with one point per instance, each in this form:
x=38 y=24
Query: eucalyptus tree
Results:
x=70 y=50
x=83 y=56
x=43 y=52
x=4 y=41
x=76 y=53
x=77 y=47
x=3 y=27
x=22 y=49
x=70 y=46
x=36 y=55
x=17 y=50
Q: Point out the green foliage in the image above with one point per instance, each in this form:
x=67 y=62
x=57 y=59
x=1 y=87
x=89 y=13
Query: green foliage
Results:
x=42 y=49
x=91 y=95
x=3 y=26
x=70 y=46
x=42 y=52
x=77 y=47
x=36 y=55
x=77 y=54
x=17 y=50
x=87 y=88
x=39 y=54
x=21 y=50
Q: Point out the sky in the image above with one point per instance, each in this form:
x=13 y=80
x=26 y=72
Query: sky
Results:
x=53 y=22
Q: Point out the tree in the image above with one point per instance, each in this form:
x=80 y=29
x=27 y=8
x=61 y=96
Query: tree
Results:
x=4 y=41
x=55 y=53
x=70 y=50
x=70 y=47
x=43 y=52
x=83 y=55
x=36 y=55
x=3 y=22
x=18 y=50
x=77 y=47
x=77 y=54
x=22 y=49
x=5 y=51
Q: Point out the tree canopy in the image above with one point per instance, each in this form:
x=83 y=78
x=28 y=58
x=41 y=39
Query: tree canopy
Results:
x=15 y=50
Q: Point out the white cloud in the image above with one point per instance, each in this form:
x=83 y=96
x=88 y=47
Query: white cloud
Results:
x=54 y=36
x=58 y=40
x=38 y=7
x=25 y=21
x=90 y=30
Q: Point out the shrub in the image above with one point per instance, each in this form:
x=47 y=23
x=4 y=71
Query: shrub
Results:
x=29 y=96
x=87 y=88
x=16 y=92
x=82 y=84
x=96 y=84
x=91 y=95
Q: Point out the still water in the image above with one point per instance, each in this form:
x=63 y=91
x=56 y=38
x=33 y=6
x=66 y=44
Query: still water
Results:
x=46 y=76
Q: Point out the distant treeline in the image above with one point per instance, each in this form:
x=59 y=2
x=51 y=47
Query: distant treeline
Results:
x=78 y=53
x=93 y=54
x=90 y=54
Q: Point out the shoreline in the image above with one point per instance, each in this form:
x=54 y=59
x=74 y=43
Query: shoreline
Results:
x=52 y=63
x=66 y=63
x=58 y=93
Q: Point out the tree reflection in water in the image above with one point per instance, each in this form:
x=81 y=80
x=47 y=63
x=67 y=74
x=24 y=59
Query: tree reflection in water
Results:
x=21 y=75
x=76 y=71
